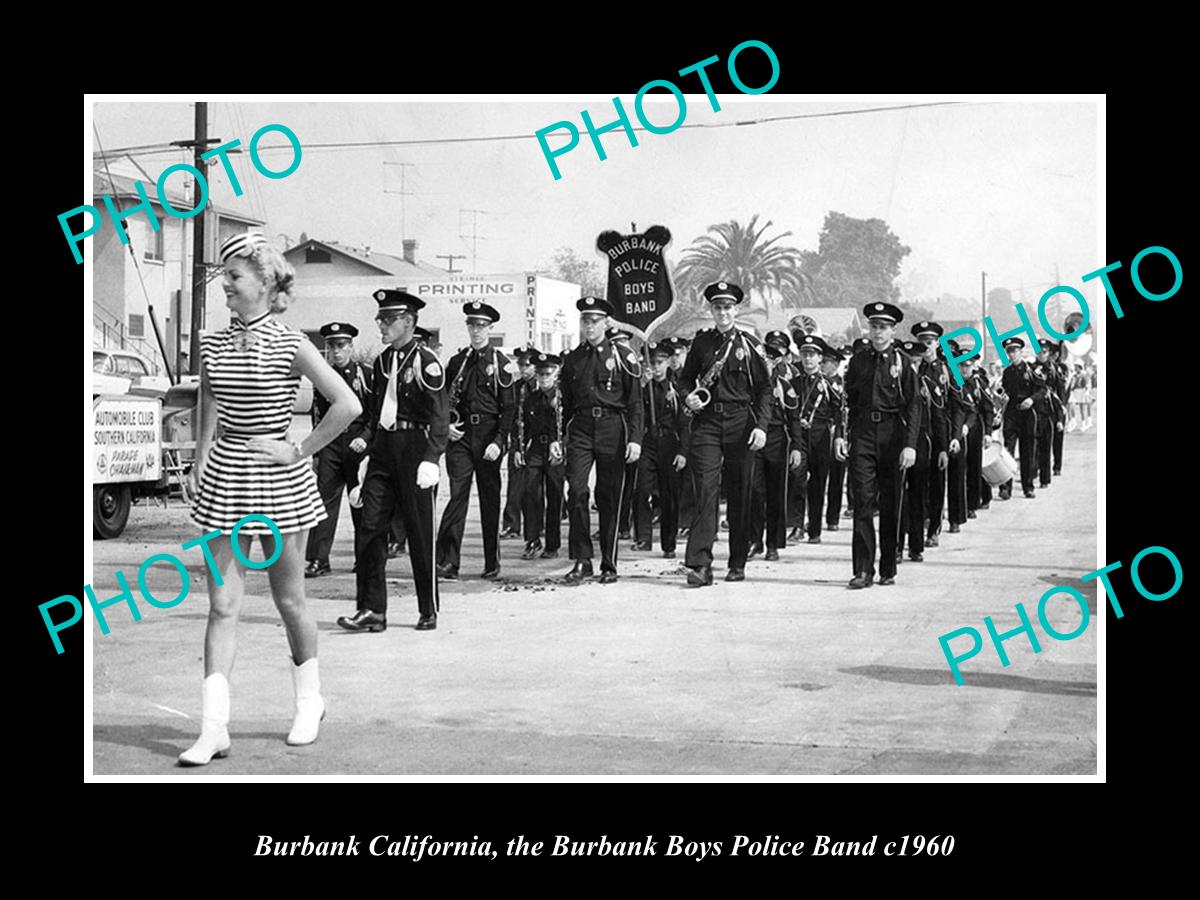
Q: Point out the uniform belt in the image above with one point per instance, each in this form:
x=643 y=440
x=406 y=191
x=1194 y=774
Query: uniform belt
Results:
x=405 y=425
x=596 y=412
x=727 y=404
x=543 y=438
x=879 y=415
x=477 y=418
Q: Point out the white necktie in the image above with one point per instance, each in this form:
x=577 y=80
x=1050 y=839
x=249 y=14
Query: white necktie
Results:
x=387 y=416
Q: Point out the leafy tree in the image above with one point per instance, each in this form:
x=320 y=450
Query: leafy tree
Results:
x=739 y=254
x=565 y=265
x=857 y=262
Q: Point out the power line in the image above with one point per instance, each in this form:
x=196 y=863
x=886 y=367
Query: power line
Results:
x=151 y=149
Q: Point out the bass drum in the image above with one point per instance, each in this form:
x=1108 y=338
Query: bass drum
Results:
x=999 y=467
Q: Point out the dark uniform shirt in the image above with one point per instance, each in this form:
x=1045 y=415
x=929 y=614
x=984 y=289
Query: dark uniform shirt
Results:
x=1020 y=384
x=486 y=387
x=668 y=409
x=933 y=386
x=743 y=378
x=359 y=380
x=541 y=424
x=420 y=393
x=819 y=404
x=883 y=383
x=606 y=376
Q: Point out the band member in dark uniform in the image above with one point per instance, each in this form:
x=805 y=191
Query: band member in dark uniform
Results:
x=963 y=416
x=687 y=490
x=818 y=415
x=663 y=454
x=884 y=428
x=601 y=390
x=337 y=461
x=931 y=446
x=409 y=418
x=726 y=385
x=784 y=450
x=510 y=522
x=1047 y=410
x=539 y=456
x=481 y=381
x=1062 y=386
x=1024 y=389
x=932 y=372
x=831 y=361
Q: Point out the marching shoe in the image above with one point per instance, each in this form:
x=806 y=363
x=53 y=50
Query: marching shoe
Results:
x=641 y=545
x=1057 y=472
x=931 y=540
x=213 y=742
x=985 y=505
x=887 y=579
x=531 y=550
x=772 y=555
x=447 y=572
x=755 y=550
x=862 y=580
x=548 y=554
x=493 y=572
x=364 y=620
x=581 y=570
x=509 y=533
x=814 y=539
x=954 y=529
x=971 y=514
x=310 y=708
x=700 y=576
x=794 y=536
x=735 y=575
x=832 y=526
x=394 y=549
x=624 y=535
x=1029 y=494
x=316 y=568
x=608 y=577
x=683 y=532
x=916 y=557
x=1044 y=486
x=668 y=554
x=426 y=623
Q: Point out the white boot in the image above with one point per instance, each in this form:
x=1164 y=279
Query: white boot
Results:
x=310 y=708
x=214 y=731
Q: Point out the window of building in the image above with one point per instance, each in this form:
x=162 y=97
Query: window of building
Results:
x=137 y=325
x=316 y=255
x=154 y=242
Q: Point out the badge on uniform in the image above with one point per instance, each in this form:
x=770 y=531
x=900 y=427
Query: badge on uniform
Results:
x=408 y=375
x=433 y=370
x=896 y=370
x=632 y=358
x=791 y=393
x=490 y=370
x=245 y=340
x=740 y=353
x=610 y=364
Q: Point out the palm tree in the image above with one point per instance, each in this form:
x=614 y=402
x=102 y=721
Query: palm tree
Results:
x=763 y=269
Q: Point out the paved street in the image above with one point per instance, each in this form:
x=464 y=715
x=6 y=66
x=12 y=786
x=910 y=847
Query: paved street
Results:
x=788 y=673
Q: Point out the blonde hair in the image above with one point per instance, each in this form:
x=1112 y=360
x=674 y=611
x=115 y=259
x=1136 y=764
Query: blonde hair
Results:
x=274 y=271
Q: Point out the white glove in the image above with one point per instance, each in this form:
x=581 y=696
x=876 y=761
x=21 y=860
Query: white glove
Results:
x=427 y=475
x=356 y=496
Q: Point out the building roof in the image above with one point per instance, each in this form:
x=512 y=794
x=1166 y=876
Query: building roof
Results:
x=384 y=262
x=119 y=185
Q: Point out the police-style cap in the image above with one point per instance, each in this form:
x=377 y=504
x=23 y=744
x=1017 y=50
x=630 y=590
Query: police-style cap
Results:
x=923 y=328
x=391 y=300
x=597 y=305
x=1010 y=343
x=884 y=311
x=422 y=334
x=663 y=348
x=912 y=348
x=544 y=360
x=812 y=344
x=954 y=349
x=779 y=340
x=338 y=330
x=480 y=312
x=833 y=353
x=723 y=290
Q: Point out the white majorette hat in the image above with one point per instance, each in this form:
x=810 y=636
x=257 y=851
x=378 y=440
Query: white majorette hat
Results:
x=243 y=245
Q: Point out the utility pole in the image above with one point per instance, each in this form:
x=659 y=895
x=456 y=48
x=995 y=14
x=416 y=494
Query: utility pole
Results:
x=475 y=238
x=403 y=193
x=198 y=282
x=450 y=258
x=983 y=301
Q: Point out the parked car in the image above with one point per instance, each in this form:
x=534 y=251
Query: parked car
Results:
x=119 y=371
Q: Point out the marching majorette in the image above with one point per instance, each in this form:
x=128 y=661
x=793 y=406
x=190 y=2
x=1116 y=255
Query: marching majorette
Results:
x=727 y=387
x=249 y=377
x=884 y=404
x=540 y=458
x=409 y=416
x=338 y=461
x=482 y=407
x=663 y=454
x=601 y=388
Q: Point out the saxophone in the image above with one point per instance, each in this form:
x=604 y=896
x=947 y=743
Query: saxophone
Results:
x=456 y=391
x=709 y=378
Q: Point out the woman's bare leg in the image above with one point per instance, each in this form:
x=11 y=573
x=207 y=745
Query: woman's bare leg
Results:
x=286 y=575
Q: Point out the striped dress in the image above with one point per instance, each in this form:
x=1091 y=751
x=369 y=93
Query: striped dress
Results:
x=248 y=366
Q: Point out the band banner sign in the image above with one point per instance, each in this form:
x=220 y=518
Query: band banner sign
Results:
x=639 y=278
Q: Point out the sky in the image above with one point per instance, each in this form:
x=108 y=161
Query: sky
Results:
x=1010 y=188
